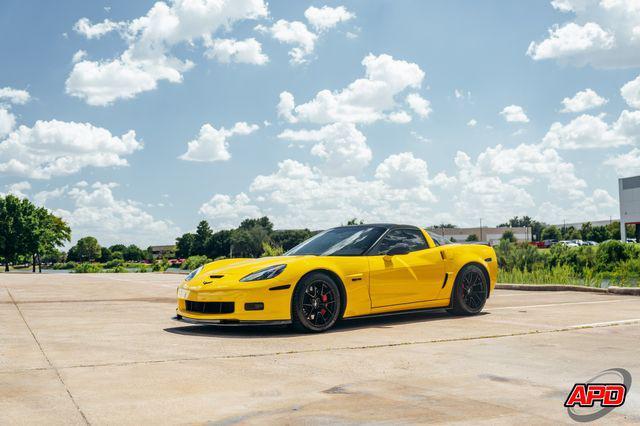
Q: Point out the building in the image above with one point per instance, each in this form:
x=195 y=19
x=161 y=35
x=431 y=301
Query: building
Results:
x=163 y=251
x=490 y=235
x=629 y=205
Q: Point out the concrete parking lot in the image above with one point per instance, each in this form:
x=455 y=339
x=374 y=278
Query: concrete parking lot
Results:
x=102 y=349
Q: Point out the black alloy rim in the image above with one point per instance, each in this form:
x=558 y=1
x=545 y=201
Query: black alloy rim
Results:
x=473 y=291
x=319 y=303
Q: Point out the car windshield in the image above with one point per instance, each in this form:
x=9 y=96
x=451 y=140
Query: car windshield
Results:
x=344 y=241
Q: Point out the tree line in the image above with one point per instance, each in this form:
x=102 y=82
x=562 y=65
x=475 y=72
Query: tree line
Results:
x=253 y=238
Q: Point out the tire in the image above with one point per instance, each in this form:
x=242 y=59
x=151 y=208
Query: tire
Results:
x=469 y=293
x=316 y=303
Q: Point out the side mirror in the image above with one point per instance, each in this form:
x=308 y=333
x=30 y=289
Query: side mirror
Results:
x=398 y=249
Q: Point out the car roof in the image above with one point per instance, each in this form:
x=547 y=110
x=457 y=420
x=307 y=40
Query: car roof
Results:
x=378 y=225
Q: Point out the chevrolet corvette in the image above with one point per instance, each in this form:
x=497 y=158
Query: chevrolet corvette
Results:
x=340 y=273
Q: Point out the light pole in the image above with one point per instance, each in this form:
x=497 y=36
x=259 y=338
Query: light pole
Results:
x=480 y=229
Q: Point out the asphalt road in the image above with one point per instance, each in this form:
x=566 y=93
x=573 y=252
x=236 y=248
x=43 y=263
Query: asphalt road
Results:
x=102 y=349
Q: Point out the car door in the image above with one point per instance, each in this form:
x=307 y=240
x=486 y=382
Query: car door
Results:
x=404 y=278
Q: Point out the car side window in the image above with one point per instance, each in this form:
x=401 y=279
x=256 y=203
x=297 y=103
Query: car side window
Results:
x=412 y=238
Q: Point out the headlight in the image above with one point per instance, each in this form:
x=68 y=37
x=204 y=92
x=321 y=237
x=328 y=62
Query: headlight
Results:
x=265 y=274
x=193 y=274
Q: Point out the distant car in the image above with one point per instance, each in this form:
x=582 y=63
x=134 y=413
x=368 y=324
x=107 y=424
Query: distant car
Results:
x=591 y=243
x=343 y=272
x=631 y=240
x=568 y=243
x=549 y=243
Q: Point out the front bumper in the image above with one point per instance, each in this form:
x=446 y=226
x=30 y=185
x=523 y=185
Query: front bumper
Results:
x=276 y=303
x=229 y=322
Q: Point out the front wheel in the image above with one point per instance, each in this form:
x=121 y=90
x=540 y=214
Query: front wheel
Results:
x=316 y=303
x=469 y=293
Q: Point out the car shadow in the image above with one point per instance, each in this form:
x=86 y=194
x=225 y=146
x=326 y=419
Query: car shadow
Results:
x=280 y=331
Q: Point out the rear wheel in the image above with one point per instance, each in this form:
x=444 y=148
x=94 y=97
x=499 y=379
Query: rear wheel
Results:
x=316 y=303
x=469 y=292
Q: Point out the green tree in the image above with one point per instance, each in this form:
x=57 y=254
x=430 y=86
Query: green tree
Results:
x=133 y=253
x=203 y=233
x=52 y=233
x=263 y=222
x=585 y=231
x=86 y=249
x=219 y=244
x=472 y=237
x=508 y=236
x=599 y=234
x=526 y=221
x=269 y=250
x=613 y=230
x=551 y=233
x=355 y=221
x=184 y=244
x=248 y=242
x=289 y=238
x=106 y=255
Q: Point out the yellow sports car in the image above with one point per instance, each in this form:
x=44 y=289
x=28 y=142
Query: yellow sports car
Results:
x=344 y=272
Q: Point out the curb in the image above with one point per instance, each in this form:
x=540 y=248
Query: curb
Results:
x=627 y=291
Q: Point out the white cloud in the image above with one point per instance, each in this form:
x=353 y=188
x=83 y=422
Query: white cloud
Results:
x=472 y=123
x=7 y=122
x=601 y=33
x=460 y=94
x=57 y=148
x=78 y=56
x=589 y=131
x=42 y=197
x=419 y=105
x=97 y=212
x=15 y=96
x=514 y=114
x=17 y=189
x=600 y=204
x=86 y=28
x=227 y=50
x=326 y=17
x=571 y=39
x=211 y=143
x=403 y=171
x=400 y=117
x=365 y=100
x=295 y=33
x=298 y=196
x=419 y=137
x=341 y=146
x=227 y=212
x=150 y=39
x=627 y=164
x=582 y=101
x=631 y=92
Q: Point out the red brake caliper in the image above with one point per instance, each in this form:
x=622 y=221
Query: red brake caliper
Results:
x=324 y=300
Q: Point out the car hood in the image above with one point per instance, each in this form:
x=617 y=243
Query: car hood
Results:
x=238 y=268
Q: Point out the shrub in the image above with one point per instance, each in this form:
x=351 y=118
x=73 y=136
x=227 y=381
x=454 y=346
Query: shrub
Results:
x=143 y=268
x=86 y=268
x=194 y=262
x=114 y=263
x=160 y=266
x=271 y=250
x=610 y=253
x=67 y=265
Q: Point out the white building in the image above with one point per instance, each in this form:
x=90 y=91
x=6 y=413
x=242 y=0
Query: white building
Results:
x=629 y=204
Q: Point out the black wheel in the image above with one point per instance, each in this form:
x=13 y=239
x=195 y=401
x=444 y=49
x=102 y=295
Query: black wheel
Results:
x=469 y=292
x=316 y=303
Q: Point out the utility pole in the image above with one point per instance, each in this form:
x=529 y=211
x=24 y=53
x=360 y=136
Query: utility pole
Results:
x=480 y=229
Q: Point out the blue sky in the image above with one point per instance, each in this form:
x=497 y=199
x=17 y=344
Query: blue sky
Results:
x=405 y=111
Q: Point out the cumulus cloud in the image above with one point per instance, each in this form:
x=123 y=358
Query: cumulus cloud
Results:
x=589 y=131
x=365 y=100
x=211 y=143
x=227 y=212
x=57 y=148
x=295 y=33
x=14 y=96
x=631 y=92
x=403 y=171
x=326 y=17
x=514 y=114
x=602 y=33
x=341 y=146
x=17 y=189
x=226 y=50
x=150 y=39
x=7 y=122
x=419 y=105
x=89 y=30
x=472 y=123
x=582 y=101
x=97 y=212
x=79 y=56
x=625 y=165
x=400 y=117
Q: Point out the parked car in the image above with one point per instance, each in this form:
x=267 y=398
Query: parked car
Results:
x=549 y=243
x=568 y=243
x=591 y=243
x=631 y=240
